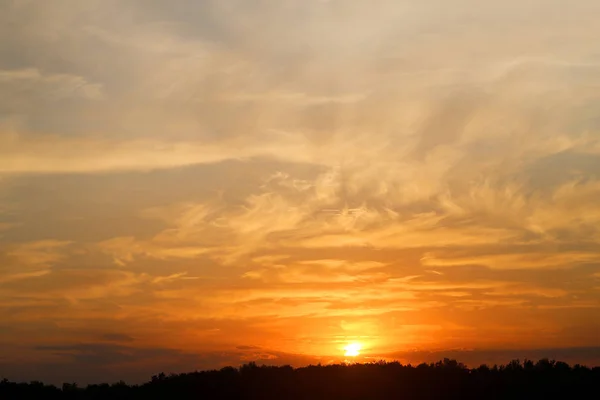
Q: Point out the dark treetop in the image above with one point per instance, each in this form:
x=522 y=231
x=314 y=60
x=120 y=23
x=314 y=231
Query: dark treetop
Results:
x=447 y=379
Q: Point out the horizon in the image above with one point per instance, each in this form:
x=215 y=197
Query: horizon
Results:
x=207 y=183
x=544 y=379
x=472 y=359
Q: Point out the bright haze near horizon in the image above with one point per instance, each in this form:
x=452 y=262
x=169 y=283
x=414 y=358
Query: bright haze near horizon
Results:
x=193 y=184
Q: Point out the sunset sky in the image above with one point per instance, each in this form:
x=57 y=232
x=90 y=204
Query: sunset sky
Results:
x=193 y=184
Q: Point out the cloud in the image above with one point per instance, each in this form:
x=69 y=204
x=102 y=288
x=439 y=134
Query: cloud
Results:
x=25 y=275
x=117 y=337
x=245 y=347
x=320 y=271
x=46 y=154
x=83 y=362
x=31 y=260
x=75 y=285
x=124 y=249
x=49 y=87
x=40 y=253
x=475 y=357
x=515 y=261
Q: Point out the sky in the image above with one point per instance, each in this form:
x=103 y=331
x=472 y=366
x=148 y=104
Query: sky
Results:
x=194 y=184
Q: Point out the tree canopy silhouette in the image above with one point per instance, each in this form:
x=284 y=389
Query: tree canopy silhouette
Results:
x=445 y=379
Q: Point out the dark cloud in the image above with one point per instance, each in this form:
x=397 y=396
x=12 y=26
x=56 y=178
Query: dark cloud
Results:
x=247 y=347
x=117 y=337
x=95 y=362
x=549 y=172
x=583 y=355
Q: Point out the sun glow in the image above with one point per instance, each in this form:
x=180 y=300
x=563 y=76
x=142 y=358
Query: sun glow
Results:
x=352 y=349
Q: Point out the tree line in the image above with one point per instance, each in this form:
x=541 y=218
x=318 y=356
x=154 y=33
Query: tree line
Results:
x=445 y=379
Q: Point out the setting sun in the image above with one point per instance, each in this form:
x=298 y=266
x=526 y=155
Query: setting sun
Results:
x=352 y=350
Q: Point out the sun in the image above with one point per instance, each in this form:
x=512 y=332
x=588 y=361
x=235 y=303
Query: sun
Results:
x=352 y=349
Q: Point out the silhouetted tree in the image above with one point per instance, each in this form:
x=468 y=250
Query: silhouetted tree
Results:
x=445 y=379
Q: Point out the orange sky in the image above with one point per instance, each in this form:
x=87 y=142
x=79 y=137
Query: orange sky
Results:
x=199 y=184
